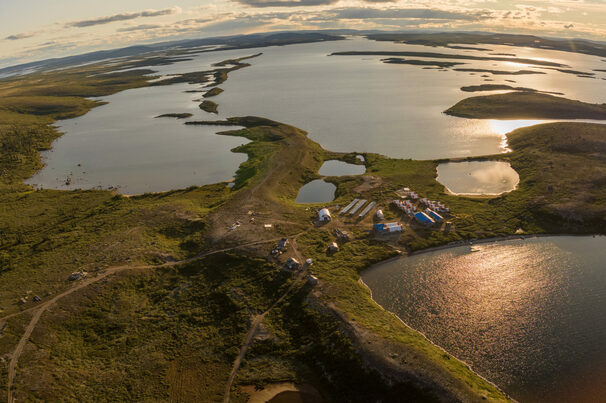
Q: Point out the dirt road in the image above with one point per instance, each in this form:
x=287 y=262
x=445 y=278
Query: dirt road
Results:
x=43 y=307
x=256 y=321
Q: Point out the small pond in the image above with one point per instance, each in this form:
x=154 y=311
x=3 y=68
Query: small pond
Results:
x=340 y=168
x=478 y=178
x=316 y=191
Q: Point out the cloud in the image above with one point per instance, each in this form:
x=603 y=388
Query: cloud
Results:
x=23 y=35
x=406 y=13
x=141 y=27
x=123 y=17
x=285 y=3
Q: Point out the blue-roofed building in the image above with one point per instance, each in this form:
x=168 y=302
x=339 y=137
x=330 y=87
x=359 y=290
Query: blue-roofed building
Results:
x=424 y=218
x=436 y=217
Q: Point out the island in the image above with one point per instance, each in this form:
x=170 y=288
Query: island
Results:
x=526 y=105
x=502 y=87
x=499 y=72
x=397 y=60
x=208 y=106
x=212 y=92
x=175 y=115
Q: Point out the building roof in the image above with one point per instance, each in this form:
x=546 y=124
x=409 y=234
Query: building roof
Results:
x=434 y=215
x=424 y=218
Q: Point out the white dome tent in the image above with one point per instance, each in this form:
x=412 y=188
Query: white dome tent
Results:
x=324 y=215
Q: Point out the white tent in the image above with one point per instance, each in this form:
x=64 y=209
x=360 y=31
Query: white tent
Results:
x=324 y=215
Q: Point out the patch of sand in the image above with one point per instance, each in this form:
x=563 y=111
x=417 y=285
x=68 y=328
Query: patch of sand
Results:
x=307 y=393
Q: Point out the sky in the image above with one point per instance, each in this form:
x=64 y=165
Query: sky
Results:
x=39 y=29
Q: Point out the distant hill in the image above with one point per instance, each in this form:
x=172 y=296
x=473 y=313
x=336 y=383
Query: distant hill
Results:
x=425 y=37
x=229 y=42
x=584 y=46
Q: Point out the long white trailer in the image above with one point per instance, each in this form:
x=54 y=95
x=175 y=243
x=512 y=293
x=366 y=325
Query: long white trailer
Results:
x=367 y=209
x=349 y=206
x=357 y=207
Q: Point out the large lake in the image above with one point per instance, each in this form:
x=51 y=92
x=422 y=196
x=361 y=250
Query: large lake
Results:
x=346 y=103
x=530 y=315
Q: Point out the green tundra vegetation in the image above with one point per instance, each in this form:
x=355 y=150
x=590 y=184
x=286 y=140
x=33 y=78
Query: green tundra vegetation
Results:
x=208 y=106
x=212 y=92
x=160 y=330
x=526 y=105
x=149 y=334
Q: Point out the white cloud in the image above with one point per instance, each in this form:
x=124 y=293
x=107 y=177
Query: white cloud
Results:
x=123 y=17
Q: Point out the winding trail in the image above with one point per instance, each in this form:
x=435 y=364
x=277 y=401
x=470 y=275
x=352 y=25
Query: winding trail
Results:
x=256 y=321
x=40 y=309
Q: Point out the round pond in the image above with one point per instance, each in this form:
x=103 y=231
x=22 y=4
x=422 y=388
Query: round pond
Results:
x=478 y=178
x=340 y=168
x=316 y=191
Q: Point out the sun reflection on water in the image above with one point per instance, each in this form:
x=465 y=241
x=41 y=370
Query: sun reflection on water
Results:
x=526 y=314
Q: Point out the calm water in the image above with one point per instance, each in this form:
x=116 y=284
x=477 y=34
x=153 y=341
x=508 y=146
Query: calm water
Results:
x=529 y=315
x=316 y=191
x=478 y=177
x=340 y=168
x=123 y=145
x=346 y=103
x=358 y=103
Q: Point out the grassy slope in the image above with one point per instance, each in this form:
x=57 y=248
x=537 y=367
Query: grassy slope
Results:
x=525 y=105
x=162 y=335
x=565 y=164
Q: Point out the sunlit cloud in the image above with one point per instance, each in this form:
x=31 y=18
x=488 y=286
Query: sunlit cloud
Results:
x=404 y=13
x=23 y=35
x=285 y=3
x=123 y=17
x=139 y=27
